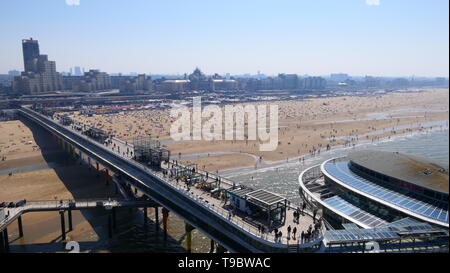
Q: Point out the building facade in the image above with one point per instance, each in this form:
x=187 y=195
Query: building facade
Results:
x=40 y=74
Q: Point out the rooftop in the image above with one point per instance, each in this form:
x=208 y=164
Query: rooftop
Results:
x=414 y=169
x=265 y=197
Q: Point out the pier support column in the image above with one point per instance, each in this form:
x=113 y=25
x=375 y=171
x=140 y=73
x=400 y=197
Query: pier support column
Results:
x=6 y=240
x=69 y=214
x=19 y=222
x=165 y=213
x=89 y=162
x=145 y=216
x=63 y=225
x=2 y=243
x=213 y=244
x=156 y=218
x=106 y=177
x=188 y=229
x=113 y=212
x=96 y=166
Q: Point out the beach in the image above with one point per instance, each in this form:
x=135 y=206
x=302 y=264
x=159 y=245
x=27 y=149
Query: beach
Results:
x=42 y=170
x=305 y=126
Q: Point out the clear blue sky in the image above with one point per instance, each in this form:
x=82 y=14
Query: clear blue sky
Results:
x=316 y=37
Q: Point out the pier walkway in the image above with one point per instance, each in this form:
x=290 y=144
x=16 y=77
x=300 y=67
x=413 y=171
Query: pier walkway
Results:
x=196 y=208
x=13 y=213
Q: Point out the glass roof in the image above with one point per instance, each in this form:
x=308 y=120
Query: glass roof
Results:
x=354 y=212
x=341 y=171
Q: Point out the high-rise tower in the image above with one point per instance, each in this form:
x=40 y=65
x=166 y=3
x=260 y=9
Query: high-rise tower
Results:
x=30 y=54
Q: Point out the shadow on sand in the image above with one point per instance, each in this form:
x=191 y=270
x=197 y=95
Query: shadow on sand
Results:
x=87 y=183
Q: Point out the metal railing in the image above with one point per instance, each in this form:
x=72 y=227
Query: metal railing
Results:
x=239 y=223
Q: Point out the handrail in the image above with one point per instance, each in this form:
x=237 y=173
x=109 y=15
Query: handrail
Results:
x=219 y=211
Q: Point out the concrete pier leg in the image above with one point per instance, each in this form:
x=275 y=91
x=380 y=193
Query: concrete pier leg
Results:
x=63 y=225
x=106 y=177
x=113 y=212
x=19 y=222
x=189 y=241
x=145 y=216
x=2 y=243
x=165 y=213
x=96 y=166
x=110 y=226
x=213 y=244
x=156 y=218
x=69 y=214
x=189 y=230
x=6 y=240
x=89 y=162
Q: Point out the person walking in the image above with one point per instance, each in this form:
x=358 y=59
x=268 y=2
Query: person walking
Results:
x=293 y=232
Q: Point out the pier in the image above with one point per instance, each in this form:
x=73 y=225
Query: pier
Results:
x=198 y=208
x=63 y=206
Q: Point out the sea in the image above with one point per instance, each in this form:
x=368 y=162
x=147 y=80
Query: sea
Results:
x=283 y=178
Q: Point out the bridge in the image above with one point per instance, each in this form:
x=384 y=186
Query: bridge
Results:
x=232 y=233
x=15 y=213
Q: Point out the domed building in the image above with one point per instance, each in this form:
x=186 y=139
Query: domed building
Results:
x=371 y=189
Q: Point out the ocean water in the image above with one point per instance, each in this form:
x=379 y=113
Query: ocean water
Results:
x=283 y=178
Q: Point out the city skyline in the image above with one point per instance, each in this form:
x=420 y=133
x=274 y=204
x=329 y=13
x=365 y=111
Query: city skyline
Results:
x=398 y=39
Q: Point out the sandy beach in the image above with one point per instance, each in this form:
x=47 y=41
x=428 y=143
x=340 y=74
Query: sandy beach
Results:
x=305 y=126
x=41 y=170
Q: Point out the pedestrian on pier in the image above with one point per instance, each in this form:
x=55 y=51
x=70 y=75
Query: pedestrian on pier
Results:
x=302 y=236
x=259 y=228
x=294 y=231
x=289 y=232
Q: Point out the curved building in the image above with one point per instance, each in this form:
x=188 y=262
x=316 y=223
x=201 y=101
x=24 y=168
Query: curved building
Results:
x=374 y=188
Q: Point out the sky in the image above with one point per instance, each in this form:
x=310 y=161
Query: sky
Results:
x=315 y=37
